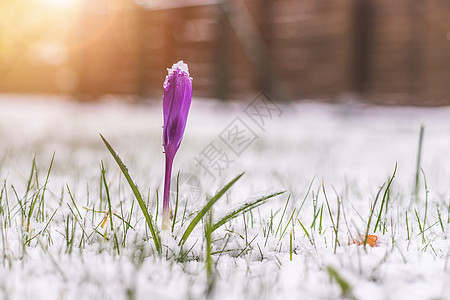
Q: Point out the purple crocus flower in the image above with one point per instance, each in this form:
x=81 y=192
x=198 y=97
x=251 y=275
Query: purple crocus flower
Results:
x=176 y=103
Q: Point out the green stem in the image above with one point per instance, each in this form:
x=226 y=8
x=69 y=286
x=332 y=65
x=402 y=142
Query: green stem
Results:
x=166 y=201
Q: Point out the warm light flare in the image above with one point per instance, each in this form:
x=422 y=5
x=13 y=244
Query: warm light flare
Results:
x=60 y=3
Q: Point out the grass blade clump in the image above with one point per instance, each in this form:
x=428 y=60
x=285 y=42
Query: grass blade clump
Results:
x=137 y=194
x=206 y=208
x=244 y=208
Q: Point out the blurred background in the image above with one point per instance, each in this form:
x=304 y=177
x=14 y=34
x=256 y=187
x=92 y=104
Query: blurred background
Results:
x=377 y=51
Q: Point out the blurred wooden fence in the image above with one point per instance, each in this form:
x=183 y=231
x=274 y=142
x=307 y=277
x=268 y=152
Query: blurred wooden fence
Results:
x=390 y=52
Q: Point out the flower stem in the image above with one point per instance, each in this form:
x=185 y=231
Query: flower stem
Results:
x=166 y=201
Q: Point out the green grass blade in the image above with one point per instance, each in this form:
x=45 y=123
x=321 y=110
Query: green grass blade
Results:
x=371 y=215
x=345 y=286
x=285 y=228
x=290 y=244
x=137 y=194
x=386 y=192
x=320 y=219
x=439 y=217
x=33 y=168
x=30 y=212
x=282 y=216
x=335 y=227
x=108 y=197
x=426 y=198
x=49 y=220
x=73 y=201
x=419 y=156
x=245 y=208
x=306 y=232
x=41 y=203
x=208 y=260
x=176 y=203
x=206 y=208
x=407 y=224
x=422 y=230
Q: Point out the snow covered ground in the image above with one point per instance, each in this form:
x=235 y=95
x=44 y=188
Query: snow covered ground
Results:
x=298 y=245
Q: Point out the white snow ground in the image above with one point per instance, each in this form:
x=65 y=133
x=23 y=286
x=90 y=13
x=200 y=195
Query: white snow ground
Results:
x=351 y=148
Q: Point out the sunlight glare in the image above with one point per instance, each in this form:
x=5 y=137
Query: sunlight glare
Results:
x=60 y=3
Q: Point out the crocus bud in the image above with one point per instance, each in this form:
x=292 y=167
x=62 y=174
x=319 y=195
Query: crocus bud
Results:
x=176 y=103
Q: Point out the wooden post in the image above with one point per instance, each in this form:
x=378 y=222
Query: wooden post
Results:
x=415 y=54
x=222 y=53
x=362 y=43
x=250 y=38
x=265 y=25
x=142 y=76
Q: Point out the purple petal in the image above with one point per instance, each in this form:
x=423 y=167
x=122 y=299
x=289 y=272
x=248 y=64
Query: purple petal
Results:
x=176 y=103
